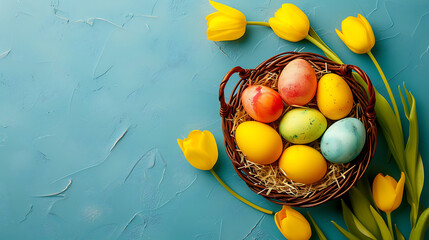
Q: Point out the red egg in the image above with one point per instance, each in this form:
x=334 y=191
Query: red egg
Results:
x=262 y=103
x=297 y=83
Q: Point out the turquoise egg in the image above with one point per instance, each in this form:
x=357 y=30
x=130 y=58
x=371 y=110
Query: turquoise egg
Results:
x=343 y=140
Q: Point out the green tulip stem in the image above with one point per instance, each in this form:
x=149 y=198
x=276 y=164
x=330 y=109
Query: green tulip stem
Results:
x=322 y=47
x=389 y=223
x=258 y=23
x=395 y=107
x=238 y=196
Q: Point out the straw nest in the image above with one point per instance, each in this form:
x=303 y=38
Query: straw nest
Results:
x=271 y=176
x=269 y=180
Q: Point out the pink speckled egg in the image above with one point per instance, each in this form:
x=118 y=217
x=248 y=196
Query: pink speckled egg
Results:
x=297 y=83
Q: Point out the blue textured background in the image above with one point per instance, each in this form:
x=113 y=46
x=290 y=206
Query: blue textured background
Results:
x=77 y=76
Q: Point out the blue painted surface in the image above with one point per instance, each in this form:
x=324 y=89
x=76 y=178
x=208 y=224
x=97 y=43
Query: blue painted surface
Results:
x=93 y=95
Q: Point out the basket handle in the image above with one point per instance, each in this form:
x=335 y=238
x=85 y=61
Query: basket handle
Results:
x=224 y=107
x=370 y=111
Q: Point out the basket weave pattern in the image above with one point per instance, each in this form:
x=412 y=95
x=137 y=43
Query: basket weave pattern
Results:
x=275 y=65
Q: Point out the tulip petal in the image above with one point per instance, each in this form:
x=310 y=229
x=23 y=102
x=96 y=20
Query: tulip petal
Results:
x=198 y=158
x=368 y=29
x=295 y=226
x=356 y=35
x=180 y=142
x=292 y=212
x=340 y=35
x=194 y=134
x=384 y=193
x=344 y=39
x=292 y=224
x=391 y=181
x=212 y=15
x=290 y=23
x=225 y=25
x=399 y=191
x=208 y=143
x=221 y=22
x=298 y=17
x=279 y=216
x=284 y=30
x=224 y=35
x=193 y=138
x=227 y=10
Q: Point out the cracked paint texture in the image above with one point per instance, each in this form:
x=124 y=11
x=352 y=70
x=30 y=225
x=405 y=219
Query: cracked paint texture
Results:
x=94 y=94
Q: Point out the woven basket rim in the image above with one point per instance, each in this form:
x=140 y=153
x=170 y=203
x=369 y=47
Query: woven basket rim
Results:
x=276 y=64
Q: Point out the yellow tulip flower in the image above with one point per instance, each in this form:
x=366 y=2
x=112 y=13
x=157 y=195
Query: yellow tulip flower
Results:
x=357 y=34
x=387 y=192
x=292 y=224
x=290 y=23
x=225 y=25
x=200 y=149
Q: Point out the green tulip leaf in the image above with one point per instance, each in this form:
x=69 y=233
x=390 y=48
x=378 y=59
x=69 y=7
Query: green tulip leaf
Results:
x=389 y=156
x=354 y=225
x=414 y=164
x=384 y=230
x=413 y=214
x=411 y=149
x=360 y=206
x=407 y=92
x=420 y=176
x=399 y=235
x=346 y=234
x=418 y=232
x=404 y=104
x=391 y=130
x=317 y=228
x=364 y=187
x=313 y=34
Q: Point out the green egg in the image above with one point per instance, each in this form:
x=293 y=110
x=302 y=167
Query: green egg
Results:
x=302 y=125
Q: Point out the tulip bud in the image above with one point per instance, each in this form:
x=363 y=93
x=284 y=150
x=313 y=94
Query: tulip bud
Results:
x=292 y=224
x=225 y=25
x=387 y=192
x=357 y=34
x=200 y=149
x=290 y=23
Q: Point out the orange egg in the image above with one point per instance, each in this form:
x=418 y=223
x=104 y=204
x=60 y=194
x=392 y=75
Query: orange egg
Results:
x=262 y=103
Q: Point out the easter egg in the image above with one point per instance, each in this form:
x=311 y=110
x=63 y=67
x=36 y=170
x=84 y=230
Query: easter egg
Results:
x=262 y=103
x=303 y=164
x=297 y=83
x=302 y=125
x=259 y=142
x=334 y=97
x=343 y=140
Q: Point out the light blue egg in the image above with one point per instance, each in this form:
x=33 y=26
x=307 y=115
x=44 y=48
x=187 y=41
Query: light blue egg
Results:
x=343 y=140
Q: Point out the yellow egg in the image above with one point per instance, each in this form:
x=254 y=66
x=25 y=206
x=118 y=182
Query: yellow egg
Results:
x=303 y=164
x=259 y=142
x=334 y=97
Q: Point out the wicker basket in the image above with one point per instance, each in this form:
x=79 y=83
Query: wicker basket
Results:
x=275 y=65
